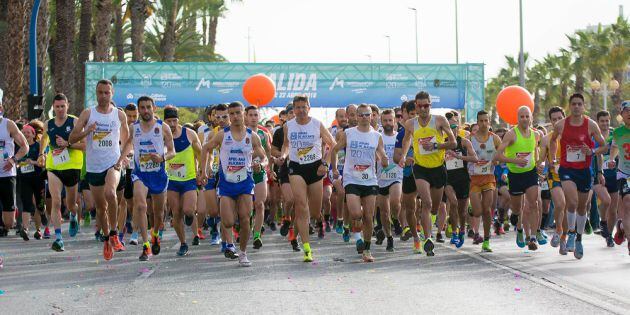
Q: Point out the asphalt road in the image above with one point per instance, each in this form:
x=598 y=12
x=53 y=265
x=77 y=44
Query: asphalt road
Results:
x=36 y=280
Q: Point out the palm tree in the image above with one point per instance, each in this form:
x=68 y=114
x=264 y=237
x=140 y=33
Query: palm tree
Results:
x=619 y=58
x=3 y=41
x=118 y=39
x=83 y=53
x=578 y=44
x=596 y=57
x=62 y=49
x=102 y=29
x=139 y=11
x=14 y=71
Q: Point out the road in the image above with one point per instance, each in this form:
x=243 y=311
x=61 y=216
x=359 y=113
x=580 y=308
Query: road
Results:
x=36 y=280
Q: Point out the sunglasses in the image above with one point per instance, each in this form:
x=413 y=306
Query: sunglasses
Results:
x=398 y=116
x=222 y=117
x=454 y=126
x=364 y=114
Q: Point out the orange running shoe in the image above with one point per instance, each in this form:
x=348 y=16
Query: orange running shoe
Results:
x=108 y=252
x=200 y=234
x=155 y=245
x=116 y=244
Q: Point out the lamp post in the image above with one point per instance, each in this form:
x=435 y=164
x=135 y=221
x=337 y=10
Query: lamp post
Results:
x=415 y=11
x=456 y=35
x=597 y=86
x=521 y=54
x=389 y=48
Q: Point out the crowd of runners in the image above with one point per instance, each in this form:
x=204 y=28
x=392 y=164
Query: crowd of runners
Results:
x=373 y=176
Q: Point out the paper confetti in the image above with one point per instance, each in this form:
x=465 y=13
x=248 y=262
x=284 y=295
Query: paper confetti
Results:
x=194 y=302
x=517 y=289
x=144 y=269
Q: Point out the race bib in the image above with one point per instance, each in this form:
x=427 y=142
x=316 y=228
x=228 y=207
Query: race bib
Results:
x=544 y=185
x=454 y=164
x=482 y=168
x=389 y=173
x=575 y=154
x=60 y=156
x=236 y=174
x=362 y=172
x=606 y=162
x=177 y=171
x=527 y=156
x=307 y=155
x=26 y=168
x=101 y=140
x=147 y=165
x=430 y=140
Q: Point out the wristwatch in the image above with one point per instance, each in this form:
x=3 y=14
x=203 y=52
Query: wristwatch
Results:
x=435 y=146
x=325 y=164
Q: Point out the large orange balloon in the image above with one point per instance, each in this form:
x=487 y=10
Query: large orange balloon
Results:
x=275 y=119
x=259 y=90
x=509 y=100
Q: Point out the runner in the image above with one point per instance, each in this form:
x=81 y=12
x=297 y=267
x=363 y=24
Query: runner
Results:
x=577 y=135
x=608 y=192
x=518 y=150
x=365 y=145
x=30 y=182
x=621 y=139
x=182 y=180
x=131 y=111
x=431 y=136
x=252 y=118
x=303 y=137
x=63 y=161
x=389 y=182
x=239 y=147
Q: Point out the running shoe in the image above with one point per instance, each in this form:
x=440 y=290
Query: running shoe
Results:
x=460 y=240
x=555 y=240
x=417 y=249
x=531 y=245
x=339 y=228
x=308 y=256
x=134 y=238
x=295 y=246
x=571 y=242
x=610 y=242
x=380 y=237
x=544 y=234
x=284 y=229
x=477 y=239
x=311 y=229
x=97 y=235
x=520 y=240
x=397 y=228
x=390 y=244
x=428 y=247
x=195 y=241
x=24 y=234
x=367 y=256
x=215 y=239
x=588 y=228
x=272 y=226
x=620 y=235
x=86 y=220
x=116 y=244
x=230 y=252
x=540 y=238
x=257 y=243
x=360 y=246
x=327 y=224
x=454 y=239
x=439 y=238
x=406 y=234
x=46 y=233
x=506 y=227
x=346 y=235
x=320 y=230
x=243 y=261
x=74 y=227
x=146 y=252
x=155 y=245
x=183 y=250
x=200 y=234
x=449 y=231
x=471 y=233
x=223 y=247
x=579 y=250
x=485 y=246
x=160 y=233
x=563 y=247
x=37 y=235
x=496 y=226
x=501 y=230
x=108 y=251
x=57 y=246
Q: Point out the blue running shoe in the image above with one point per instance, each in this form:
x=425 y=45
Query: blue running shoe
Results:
x=215 y=239
x=183 y=250
x=57 y=246
x=555 y=240
x=571 y=242
x=339 y=229
x=360 y=246
x=520 y=239
x=544 y=234
x=460 y=240
x=160 y=232
x=346 y=235
x=579 y=250
x=74 y=226
x=454 y=239
x=540 y=238
x=223 y=247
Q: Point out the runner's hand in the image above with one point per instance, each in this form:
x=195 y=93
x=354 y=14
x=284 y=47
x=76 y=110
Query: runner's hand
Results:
x=427 y=146
x=321 y=170
x=41 y=161
x=61 y=142
x=92 y=127
x=611 y=164
x=601 y=179
x=586 y=150
x=385 y=162
x=520 y=162
x=10 y=163
x=335 y=173
x=156 y=158
x=408 y=161
x=256 y=167
x=540 y=168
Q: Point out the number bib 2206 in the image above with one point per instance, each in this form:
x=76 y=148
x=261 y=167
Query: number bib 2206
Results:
x=362 y=172
x=236 y=174
x=177 y=171
x=575 y=154
x=147 y=165
x=60 y=156
x=307 y=155
x=102 y=140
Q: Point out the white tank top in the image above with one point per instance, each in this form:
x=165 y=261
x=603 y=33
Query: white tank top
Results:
x=103 y=145
x=392 y=173
x=305 y=142
x=485 y=153
x=236 y=156
x=360 y=165
x=145 y=143
x=7 y=148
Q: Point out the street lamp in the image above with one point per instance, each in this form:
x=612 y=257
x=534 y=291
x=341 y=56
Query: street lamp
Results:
x=521 y=54
x=596 y=86
x=389 y=48
x=415 y=11
x=456 y=36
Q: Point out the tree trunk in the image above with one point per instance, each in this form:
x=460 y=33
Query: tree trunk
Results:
x=83 y=54
x=536 y=108
x=14 y=71
x=102 y=29
x=212 y=40
x=169 y=40
x=118 y=33
x=138 y=19
x=3 y=41
x=579 y=81
x=204 y=28
x=27 y=61
x=63 y=49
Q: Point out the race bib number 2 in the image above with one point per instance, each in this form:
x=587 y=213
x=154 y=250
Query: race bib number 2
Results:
x=454 y=164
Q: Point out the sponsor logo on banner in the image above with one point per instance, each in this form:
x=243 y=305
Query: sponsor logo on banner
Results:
x=291 y=84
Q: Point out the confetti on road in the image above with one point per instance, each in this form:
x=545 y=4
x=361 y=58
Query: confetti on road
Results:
x=517 y=289
x=144 y=269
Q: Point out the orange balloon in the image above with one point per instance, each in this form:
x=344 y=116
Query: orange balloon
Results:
x=509 y=100
x=334 y=123
x=259 y=90
x=276 y=119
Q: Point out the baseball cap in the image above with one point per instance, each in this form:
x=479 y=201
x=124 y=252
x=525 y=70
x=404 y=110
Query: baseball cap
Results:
x=625 y=105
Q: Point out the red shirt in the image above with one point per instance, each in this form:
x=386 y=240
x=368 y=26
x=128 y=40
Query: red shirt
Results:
x=571 y=142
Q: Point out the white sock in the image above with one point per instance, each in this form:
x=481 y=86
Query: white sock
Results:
x=356 y=236
x=571 y=220
x=581 y=223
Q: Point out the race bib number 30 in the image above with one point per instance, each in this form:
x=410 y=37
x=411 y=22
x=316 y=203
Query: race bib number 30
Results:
x=60 y=156
x=362 y=172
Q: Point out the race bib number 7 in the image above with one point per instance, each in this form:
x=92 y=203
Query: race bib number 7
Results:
x=575 y=154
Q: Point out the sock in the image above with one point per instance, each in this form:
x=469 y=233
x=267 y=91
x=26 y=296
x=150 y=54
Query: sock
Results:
x=154 y=233
x=112 y=233
x=256 y=235
x=356 y=236
x=367 y=245
x=73 y=217
x=604 y=227
x=571 y=220
x=147 y=244
x=581 y=223
x=307 y=247
x=121 y=235
x=58 y=234
x=578 y=238
x=134 y=235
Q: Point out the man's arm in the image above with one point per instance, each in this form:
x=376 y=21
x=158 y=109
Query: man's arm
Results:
x=341 y=144
x=19 y=139
x=328 y=139
x=450 y=143
x=406 y=143
x=207 y=150
x=380 y=152
x=196 y=144
x=471 y=155
x=168 y=142
x=508 y=139
x=79 y=132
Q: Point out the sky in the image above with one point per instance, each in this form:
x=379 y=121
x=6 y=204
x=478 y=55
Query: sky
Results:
x=354 y=31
